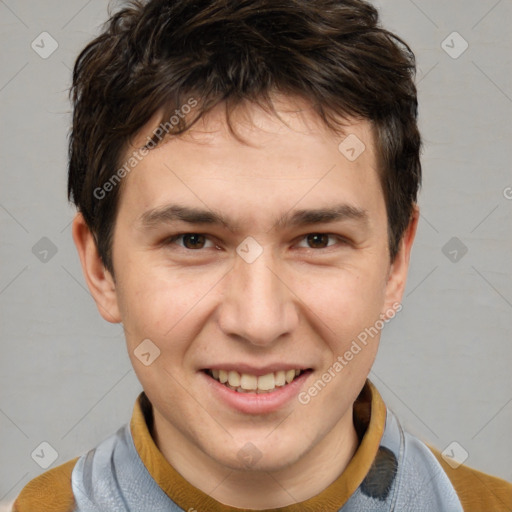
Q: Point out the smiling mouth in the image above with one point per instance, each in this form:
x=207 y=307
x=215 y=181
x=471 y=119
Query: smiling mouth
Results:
x=246 y=383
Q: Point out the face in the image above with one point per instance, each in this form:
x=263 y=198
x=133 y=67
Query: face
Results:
x=259 y=263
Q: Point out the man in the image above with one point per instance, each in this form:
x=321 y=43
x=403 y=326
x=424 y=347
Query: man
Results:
x=246 y=177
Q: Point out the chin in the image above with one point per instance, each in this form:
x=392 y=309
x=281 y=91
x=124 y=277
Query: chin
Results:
x=259 y=456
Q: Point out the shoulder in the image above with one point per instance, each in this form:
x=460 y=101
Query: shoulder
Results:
x=49 y=492
x=476 y=490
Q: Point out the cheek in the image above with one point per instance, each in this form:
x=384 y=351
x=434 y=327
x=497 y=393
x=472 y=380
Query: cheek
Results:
x=164 y=304
x=347 y=300
x=160 y=310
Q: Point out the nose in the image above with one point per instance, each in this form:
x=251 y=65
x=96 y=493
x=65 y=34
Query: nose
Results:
x=258 y=306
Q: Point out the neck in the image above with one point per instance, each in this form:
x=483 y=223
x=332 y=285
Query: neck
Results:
x=263 y=489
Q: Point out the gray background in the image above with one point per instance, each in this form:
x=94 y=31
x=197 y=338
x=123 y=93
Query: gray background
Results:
x=444 y=362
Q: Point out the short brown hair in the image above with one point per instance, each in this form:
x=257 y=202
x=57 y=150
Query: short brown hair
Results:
x=153 y=56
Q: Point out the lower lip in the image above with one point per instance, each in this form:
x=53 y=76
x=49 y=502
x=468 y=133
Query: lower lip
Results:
x=254 y=403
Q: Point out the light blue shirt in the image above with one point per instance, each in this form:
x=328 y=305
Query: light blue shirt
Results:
x=405 y=476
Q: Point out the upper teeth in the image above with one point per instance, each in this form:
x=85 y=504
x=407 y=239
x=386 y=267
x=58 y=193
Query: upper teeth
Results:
x=247 y=382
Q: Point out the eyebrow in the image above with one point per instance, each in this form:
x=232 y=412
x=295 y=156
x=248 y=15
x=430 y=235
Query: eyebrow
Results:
x=172 y=213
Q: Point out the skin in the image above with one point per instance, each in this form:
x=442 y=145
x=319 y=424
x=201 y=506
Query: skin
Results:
x=298 y=302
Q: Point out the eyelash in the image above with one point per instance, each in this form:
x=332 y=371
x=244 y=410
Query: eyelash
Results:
x=176 y=237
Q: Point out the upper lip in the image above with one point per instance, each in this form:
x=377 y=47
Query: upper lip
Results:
x=257 y=371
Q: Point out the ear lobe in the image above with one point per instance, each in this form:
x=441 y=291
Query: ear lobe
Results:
x=99 y=280
x=397 y=277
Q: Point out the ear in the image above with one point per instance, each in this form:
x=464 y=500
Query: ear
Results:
x=99 y=280
x=397 y=276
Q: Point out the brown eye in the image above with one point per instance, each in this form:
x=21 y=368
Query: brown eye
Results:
x=193 y=241
x=318 y=240
x=189 y=241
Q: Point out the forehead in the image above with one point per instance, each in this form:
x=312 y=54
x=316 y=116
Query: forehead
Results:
x=282 y=159
x=291 y=119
